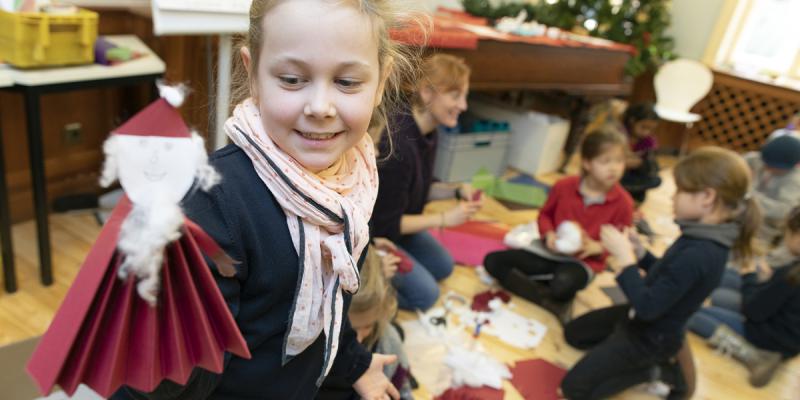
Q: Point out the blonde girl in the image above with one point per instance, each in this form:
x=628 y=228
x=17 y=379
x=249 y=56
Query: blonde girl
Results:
x=298 y=186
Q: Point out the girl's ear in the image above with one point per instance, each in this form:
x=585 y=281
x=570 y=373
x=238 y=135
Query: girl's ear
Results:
x=426 y=93
x=245 y=54
x=708 y=198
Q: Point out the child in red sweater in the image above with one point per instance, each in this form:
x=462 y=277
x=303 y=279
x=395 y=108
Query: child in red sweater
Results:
x=543 y=273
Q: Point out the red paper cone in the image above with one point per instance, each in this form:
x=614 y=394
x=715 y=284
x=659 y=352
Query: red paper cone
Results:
x=104 y=335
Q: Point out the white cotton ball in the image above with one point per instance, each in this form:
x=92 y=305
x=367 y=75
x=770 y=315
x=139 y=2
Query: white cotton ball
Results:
x=568 y=238
x=174 y=95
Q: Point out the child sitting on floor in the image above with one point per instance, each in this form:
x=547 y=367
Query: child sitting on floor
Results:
x=371 y=312
x=637 y=341
x=590 y=200
x=756 y=317
x=641 y=168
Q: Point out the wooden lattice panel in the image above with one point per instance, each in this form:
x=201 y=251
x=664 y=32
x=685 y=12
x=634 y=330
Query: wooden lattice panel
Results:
x=739 y=114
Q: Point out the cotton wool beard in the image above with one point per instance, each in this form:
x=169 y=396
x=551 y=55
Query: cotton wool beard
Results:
x=144 y=234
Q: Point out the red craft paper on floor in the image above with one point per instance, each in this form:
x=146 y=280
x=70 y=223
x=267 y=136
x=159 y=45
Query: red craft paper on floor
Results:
x=480 y=302
x=467 y=249
x=105 y=336
x=537 y=379
x=471 y=393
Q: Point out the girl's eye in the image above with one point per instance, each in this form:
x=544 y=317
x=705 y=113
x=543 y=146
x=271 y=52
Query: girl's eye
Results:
x=290 y=80
x=348 y=83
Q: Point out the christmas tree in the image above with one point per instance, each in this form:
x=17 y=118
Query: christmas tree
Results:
x=640 y=23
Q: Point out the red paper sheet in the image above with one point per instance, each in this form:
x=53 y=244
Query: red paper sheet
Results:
x=480 y=302
x=105 y=335
x=470 y=393
x=537 y=379
x=466 y=248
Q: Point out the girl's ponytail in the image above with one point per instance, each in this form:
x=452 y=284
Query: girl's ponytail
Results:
x=745 y=247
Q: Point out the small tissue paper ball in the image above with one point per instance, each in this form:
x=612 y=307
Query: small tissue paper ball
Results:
x=568 y=238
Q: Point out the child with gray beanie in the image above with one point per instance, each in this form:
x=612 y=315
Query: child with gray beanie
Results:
x=776 y=182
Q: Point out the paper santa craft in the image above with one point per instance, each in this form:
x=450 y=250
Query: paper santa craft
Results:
x=144 y=306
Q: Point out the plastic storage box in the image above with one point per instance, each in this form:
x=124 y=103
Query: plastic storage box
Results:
x=537 y=140
x=30 y=40
x=460 y=155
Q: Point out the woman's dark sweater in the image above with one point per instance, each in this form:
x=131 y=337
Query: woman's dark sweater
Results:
x=772 y=309
x=405 y=176
x=248 y=223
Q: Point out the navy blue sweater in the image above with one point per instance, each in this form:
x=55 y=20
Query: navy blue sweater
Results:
x=772 y=309
x=673 y=289
x=249 y=224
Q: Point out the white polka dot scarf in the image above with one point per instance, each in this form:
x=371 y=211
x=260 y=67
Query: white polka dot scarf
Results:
x=327 y=214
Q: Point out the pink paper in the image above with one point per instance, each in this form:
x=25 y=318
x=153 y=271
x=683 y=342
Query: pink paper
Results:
x=467 y=248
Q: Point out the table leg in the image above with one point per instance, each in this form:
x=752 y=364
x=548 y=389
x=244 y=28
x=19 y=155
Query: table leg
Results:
x=577 y=124
x=9 y=273
x=37 y=165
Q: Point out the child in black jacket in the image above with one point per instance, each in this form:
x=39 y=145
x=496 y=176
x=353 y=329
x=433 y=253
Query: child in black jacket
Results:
x=716 y=216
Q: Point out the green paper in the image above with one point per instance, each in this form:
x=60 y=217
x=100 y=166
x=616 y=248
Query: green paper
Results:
x=518 y=193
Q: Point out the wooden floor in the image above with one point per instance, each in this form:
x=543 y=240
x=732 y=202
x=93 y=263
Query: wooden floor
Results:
x=28 y=312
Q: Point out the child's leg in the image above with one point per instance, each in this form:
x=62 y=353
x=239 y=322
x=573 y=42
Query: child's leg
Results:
x=729 y=299
x=416 y=289
x=611 y=367
x=430 y=254
x=500 y=263
x=568 y=279
x=592 y=328
x=731 y=279
x=706 y=321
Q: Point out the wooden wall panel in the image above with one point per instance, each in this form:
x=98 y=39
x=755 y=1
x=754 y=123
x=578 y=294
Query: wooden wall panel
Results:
x=74 y=168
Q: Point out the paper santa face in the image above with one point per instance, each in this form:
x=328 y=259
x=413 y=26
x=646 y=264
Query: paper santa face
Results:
x=156 y=167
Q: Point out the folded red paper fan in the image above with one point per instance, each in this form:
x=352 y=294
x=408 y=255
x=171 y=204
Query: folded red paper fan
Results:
x=105 y=335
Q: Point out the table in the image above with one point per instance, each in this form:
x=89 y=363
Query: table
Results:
x=34 y=83
x=9 y=275
x=580 y=67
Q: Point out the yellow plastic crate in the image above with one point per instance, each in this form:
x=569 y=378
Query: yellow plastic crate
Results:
x=30 y=40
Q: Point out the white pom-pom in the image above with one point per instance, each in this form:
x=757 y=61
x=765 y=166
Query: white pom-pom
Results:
x=568 y=238
x=174 y=95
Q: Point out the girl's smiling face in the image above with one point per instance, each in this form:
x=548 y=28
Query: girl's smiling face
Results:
x=318 y=80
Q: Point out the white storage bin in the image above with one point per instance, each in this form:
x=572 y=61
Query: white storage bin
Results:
x=537 y=140
x=460 y=155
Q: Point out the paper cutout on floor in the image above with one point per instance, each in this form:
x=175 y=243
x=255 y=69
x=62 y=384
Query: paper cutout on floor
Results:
x=470 y=393
x=512 y=328
x=144 y=306
x=467 y=249
x=480 y=302
x=537 y=379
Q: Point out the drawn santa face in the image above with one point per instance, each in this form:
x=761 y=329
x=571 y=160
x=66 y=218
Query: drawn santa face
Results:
x=156 y=167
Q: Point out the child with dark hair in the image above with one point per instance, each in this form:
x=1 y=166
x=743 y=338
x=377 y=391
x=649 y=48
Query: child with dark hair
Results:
x=641 y=168
x=548 y=276
x=756 y=318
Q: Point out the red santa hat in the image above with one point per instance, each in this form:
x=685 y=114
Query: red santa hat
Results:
x=160 y=118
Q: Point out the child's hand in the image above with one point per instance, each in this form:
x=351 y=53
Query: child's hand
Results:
x=389 y=263
x=384 y=244
x=374 y=385
x=550 y=241
x=636 y=241
x=763 y=271
x=618 y=245
x=590 y=248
